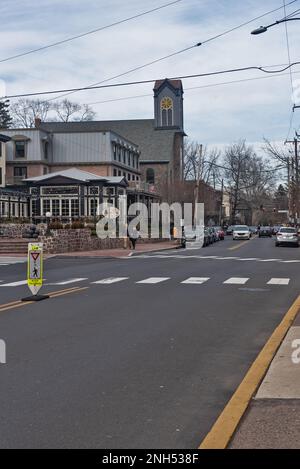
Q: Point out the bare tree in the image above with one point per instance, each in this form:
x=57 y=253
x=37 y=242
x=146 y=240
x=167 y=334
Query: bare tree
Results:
x=249 y=178
x=25 y=111
x=201 y=163
x=69 y=111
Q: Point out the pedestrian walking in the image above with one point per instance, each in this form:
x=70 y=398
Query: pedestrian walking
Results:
x=133 y=237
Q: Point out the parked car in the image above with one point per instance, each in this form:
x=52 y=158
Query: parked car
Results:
x=211 y=235
x=216 y=233
x=195 y=234
x=241 y=232
x=229 y=230
x=220 y=232
x=265 y=231
x=207 y=239
x=287 y=235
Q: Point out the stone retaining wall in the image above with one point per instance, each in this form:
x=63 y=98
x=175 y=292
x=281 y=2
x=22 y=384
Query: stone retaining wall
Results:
x=76 y=240
x=71 y=240
x=15 y=230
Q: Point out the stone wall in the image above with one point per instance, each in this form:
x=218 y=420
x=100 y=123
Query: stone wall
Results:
x=66 y=240
x=15 y=230
x=76 y=240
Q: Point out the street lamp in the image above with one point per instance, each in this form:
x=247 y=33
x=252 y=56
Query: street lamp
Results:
x=48 y=216
x=263 y=29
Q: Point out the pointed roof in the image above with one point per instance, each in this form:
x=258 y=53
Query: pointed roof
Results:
x=176 y=84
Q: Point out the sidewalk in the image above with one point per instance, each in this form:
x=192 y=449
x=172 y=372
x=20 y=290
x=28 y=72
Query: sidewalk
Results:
x=272 y=419
x=115 y=253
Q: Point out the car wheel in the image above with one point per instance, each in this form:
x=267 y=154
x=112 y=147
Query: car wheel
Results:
x=276 y=244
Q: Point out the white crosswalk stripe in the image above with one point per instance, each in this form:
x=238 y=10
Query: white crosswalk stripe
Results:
x=155 y=280
x=152 y=280
x=14 y=284
x=196 y=280
x=278 y=281
x=236 y=280
x=107 y=281
x=67 y=282
x=4 y=261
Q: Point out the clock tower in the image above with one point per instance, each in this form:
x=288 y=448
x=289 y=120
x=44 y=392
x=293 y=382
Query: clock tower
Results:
x=168 y=104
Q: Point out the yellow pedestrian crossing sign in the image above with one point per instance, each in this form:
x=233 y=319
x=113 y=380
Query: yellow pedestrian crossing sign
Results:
x=35 y=267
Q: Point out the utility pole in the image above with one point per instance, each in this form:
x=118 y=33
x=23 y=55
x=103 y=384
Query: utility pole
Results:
x=293 y=176
x=221 y=208
x=197 y=185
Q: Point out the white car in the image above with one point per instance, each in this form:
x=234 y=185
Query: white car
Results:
x=287 y=235
x=241 y=232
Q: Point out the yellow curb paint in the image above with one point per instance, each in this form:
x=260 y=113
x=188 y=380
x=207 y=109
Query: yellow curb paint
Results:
x=226 y=424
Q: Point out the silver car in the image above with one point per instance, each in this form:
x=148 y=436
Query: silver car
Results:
x=241 y=232
x=287 y=235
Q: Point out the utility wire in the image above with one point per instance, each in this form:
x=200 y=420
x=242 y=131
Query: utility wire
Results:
x=212 y=85
x=139 y=82
x=173 y=54
x=93 y=31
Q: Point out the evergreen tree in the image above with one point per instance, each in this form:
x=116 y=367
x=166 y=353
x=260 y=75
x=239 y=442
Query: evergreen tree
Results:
x=5 y=118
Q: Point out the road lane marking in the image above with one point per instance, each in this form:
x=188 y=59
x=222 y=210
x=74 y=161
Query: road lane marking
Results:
x=270 y=260
x=67 y=282
x=108 y=281
x=14 y=284
x=19 y=303
x=223 y=429
x=236 y=280
x=233 y=248
x=278 y=281
x=154 y=280
x=196 y=280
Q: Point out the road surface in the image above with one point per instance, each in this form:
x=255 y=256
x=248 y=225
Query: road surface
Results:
x=145 y=352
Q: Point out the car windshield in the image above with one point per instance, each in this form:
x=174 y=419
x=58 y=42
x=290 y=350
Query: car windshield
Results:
x=241 y=228
x=287 y=230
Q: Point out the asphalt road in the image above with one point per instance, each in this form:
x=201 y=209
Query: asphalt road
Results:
x=137 y=365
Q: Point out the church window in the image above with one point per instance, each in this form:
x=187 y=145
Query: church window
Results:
x=166 y=108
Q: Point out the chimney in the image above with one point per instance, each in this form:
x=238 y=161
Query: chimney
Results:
x=37 y=122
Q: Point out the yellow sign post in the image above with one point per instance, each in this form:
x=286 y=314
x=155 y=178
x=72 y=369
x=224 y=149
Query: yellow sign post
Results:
x=35 y=271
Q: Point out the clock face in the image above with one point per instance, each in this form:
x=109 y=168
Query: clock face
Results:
x=166 y=103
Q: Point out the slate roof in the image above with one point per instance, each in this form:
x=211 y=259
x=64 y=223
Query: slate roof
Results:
x=177 y=84
x=154 y=144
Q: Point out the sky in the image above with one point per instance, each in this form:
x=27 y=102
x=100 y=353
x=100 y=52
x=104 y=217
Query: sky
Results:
x=213 y=115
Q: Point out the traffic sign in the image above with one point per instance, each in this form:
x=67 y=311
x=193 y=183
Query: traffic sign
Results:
x=35 y=267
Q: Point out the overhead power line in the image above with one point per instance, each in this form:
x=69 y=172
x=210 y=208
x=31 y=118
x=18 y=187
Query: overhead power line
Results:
x=211 y=85
x=139 y=82
x=87 y=33
x=181 y=51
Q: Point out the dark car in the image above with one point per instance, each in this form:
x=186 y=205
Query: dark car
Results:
x=207 y=238
x=266 y=231
x=229 y=230
x=253 y=229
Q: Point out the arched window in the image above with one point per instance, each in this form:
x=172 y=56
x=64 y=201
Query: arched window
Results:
x=150 y=176
x=166 y=109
